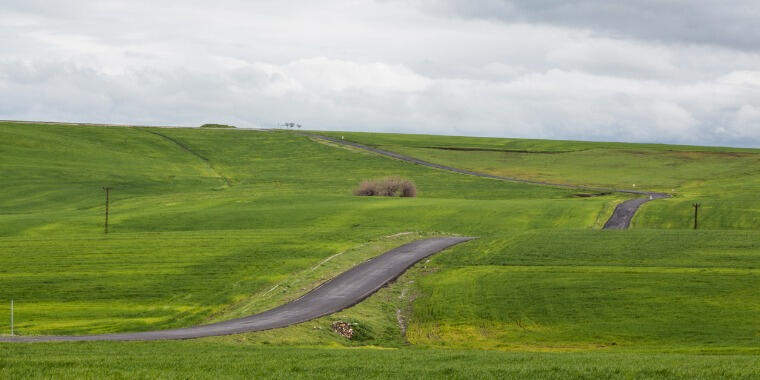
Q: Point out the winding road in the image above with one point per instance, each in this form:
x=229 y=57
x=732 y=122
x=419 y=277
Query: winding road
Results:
x=344 y=290
x=620 y=219
x=353 y=285
x=624 y=212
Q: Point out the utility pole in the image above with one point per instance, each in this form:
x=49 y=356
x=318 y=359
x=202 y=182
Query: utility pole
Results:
x=696 y=210
x=108 y=193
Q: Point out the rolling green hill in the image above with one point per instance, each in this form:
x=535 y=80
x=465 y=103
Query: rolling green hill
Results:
x=203 y=219
x=212 y=224
x=724 y=180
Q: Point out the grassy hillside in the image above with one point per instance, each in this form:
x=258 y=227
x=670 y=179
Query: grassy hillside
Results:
x=53 y=179
x=724 y=180
x=564 y=290
x=208 y=225
x=202 y=219
x=139 y=281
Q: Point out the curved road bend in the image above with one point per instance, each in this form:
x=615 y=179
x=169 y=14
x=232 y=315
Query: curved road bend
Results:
x=344 y=290
x=620 y=219
x=624 y=212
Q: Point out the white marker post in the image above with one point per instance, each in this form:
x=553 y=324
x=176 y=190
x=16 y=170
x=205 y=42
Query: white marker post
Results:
x=11 y=317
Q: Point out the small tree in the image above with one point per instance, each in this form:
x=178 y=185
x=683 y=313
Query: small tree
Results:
x=291 y=125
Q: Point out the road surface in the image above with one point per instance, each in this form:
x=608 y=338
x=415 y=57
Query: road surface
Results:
x=624 y=212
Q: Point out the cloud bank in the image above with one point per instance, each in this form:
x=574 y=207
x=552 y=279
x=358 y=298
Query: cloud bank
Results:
x=644 y=71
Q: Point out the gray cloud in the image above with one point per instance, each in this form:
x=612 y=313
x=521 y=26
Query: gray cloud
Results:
x=728 y=23
x=347 y=95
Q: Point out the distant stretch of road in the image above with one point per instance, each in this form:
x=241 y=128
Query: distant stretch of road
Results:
x=344 y=290
x=624 y=212
x=620 y=219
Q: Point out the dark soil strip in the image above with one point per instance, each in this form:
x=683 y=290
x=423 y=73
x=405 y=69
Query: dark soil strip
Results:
x=499 y=150
x=194 y=153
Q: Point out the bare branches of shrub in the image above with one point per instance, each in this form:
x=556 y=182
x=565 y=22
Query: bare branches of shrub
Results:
x=387 y=187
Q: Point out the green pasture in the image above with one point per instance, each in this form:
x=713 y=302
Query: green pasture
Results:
x=567 y=290
x=202 y=219
x=174 y=179
x=139 y=281
x=211 y=224
x=724 y=180
x=208 y=359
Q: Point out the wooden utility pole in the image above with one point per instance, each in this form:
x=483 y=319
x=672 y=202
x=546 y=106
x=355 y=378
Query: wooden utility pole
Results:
x=108 y=193
x=696 y=212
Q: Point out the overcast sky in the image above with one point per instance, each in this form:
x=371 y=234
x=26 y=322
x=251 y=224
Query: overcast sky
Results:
x=678 y=71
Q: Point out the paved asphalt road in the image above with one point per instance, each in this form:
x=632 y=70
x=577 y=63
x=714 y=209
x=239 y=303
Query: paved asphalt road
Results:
x=624 y=212
x=620 y=219
x=345 y=290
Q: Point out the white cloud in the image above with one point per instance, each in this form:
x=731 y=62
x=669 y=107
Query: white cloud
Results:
x=368 y=66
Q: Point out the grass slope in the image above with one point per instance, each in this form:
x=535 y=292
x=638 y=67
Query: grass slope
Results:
x=213 y=224
x=566 y=290
x=202 y=219
x=724 y=180
x=208 y=359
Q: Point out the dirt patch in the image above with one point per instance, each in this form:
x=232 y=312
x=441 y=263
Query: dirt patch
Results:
x=401 y=322
x=343 y=328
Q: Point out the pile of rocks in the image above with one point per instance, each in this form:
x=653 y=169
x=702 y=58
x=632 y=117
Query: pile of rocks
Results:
x=343 y=328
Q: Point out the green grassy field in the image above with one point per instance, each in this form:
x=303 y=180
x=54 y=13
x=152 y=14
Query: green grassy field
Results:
x=643 y=291
x=724 y=180
x=210 y=359
x=193 y=243
x=211 y=224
